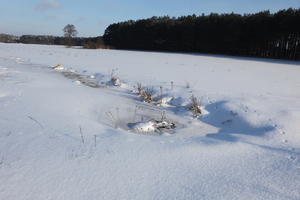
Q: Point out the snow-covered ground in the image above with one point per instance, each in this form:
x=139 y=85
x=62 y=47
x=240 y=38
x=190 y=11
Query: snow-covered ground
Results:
x=69 y=134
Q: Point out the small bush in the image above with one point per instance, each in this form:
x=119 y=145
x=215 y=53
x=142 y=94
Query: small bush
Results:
x=147 y=94
x=195 y=106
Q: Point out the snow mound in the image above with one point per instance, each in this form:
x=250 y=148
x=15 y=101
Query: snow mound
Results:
x=59 y=67
x=152 y=126
x=204 y=112
x=144 y=127
x=165 y=101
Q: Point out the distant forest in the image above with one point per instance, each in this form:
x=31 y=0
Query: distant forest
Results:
x=260 y=35
x=90 y=42
x=263 y=34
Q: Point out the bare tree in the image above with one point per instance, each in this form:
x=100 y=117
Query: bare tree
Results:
x=69 y=32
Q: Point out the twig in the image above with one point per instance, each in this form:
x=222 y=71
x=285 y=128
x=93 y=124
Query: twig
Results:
x=95 y=140
x=112 y=118
x=35 y=121
x=161 y=95
x=118 y=114
x=139 y=88
x=187 y=84
x=81 y=134
x=9 y=133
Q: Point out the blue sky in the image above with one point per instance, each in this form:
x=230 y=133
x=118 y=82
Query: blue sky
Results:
x=91 y=17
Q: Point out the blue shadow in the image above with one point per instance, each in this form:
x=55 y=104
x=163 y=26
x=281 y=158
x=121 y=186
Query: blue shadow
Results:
x=230 y=124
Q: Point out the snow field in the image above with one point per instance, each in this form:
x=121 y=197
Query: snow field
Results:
x=58 y=141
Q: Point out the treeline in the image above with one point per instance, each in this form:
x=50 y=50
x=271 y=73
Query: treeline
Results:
x=260 y=35
x=8 y=38
x=90 y=42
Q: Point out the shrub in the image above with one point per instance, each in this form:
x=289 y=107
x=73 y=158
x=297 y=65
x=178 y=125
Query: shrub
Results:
x=147 y=94
x=195 y=106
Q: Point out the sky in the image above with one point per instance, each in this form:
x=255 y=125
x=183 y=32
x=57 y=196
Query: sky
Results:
x=91 y=17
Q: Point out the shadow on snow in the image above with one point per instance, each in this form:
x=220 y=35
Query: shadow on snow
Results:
x=230 y=124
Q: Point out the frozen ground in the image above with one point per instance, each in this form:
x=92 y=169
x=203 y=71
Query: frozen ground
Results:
x=69 y=135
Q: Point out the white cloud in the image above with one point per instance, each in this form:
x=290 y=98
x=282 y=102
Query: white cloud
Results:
x=47 y=4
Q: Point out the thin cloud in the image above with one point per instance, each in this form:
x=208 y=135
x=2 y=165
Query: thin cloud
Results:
x=47 y=5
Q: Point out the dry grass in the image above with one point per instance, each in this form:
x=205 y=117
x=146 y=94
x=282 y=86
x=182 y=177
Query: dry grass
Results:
x=147 y=94
x=195 y=106
x=139 y=88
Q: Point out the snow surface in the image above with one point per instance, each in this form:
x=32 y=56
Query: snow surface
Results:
x=63 y=140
